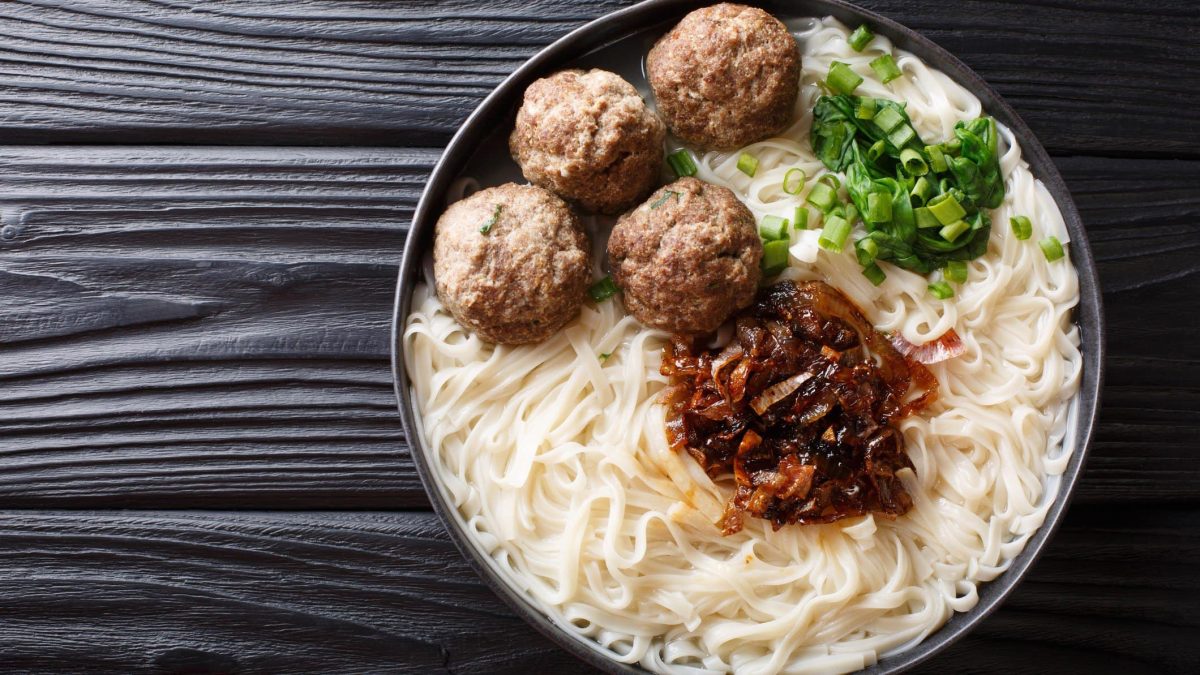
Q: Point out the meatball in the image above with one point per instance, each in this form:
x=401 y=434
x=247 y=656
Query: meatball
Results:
x=725 y=76
x=589 y=137
x=511 y=263
x=687 y=258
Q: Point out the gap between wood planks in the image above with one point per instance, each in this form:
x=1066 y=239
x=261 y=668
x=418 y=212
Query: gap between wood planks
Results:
x=208 y=327
x=362 y=592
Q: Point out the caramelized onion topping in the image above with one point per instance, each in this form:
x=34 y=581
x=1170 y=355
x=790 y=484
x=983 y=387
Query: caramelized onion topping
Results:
x=800 y=408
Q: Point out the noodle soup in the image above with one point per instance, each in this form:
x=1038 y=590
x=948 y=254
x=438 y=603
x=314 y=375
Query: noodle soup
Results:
x=556 y=459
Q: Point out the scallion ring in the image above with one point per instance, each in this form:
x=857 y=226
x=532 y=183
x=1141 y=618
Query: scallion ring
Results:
x=941 y=290
x=747 y=164
x=797 y=183
x=1021 y=227
x=860 y=37
x=874 y=274
x=682 y=163
x=833 y=236
x=1052 y=248
x=885 y=67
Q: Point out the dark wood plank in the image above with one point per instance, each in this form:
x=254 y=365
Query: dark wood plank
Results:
x=211 y=592
x=387 y=592
x=305 y=72
x=194 y=327
x=209 y=327
x=1103 y=77
x=1143 y=220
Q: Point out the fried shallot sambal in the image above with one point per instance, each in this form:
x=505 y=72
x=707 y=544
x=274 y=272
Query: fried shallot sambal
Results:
x=800 y=407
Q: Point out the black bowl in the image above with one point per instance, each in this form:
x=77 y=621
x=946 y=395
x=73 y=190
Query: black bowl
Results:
x=631 y=32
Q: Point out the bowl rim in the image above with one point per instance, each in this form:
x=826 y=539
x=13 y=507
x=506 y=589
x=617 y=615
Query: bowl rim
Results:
x=644 y=16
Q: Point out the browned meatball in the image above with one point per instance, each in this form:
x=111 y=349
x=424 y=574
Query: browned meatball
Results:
x=687 y=258
x=511 y=263
x=590 y=138
x=725 y=76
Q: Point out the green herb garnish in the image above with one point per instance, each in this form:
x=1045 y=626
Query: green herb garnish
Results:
x=1051 y=248
x=833 y=235
x=860 y=37
x=885 y=68
x=956 y=271
x=747 y=164
x=682 y=163
x=603 y=289
x=663 y=199
x=916 y=221
x=775 y=257
x=874 y=274
x=772 y=228
x=800 y=218
x=487 y=224
x=793 y=186
x=941 y=290
x=841 y=79
x=1021 y=227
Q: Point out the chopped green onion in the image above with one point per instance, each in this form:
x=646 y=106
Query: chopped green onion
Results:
x=682 y=163
x=604 y=356
x=798 y=183
x=747 y=164
x=900 y=136
x=874 y=274
x=952 y=146
x=487 y=224
x=603 y=289
x=888 y=119
x=822 y=196
x=937 y=160
x=879 y=208
x=663 y=199
x=841 y=79
x=833 y=236
x=800 y=218
x=947 y=209
x=831 y=180
x=865 y=109
x=925 y=217
x=913 y=162
x=860 y=37
x=956 y=271
x=850 y=213
x=1021 y=227
x=885 y=68
x=877 y=150
x=941 y=290
x=775 y=257
x=866 y=250
x=1051 y=248
x=922 y=191
x=954 y=230
x=773 y=227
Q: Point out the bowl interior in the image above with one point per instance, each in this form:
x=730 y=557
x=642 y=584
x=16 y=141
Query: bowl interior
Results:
x=619 y=42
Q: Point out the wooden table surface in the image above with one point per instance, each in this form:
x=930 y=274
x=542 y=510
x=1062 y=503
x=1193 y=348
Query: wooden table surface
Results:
x=202 y=207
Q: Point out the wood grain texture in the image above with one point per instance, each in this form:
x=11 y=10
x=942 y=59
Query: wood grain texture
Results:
x=387 y=592
x=399 y=73
x=209 y=327
x=199 y=327
x=193 y=327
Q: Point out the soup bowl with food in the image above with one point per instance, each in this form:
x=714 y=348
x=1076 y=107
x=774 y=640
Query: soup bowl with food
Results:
x=748 y=339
